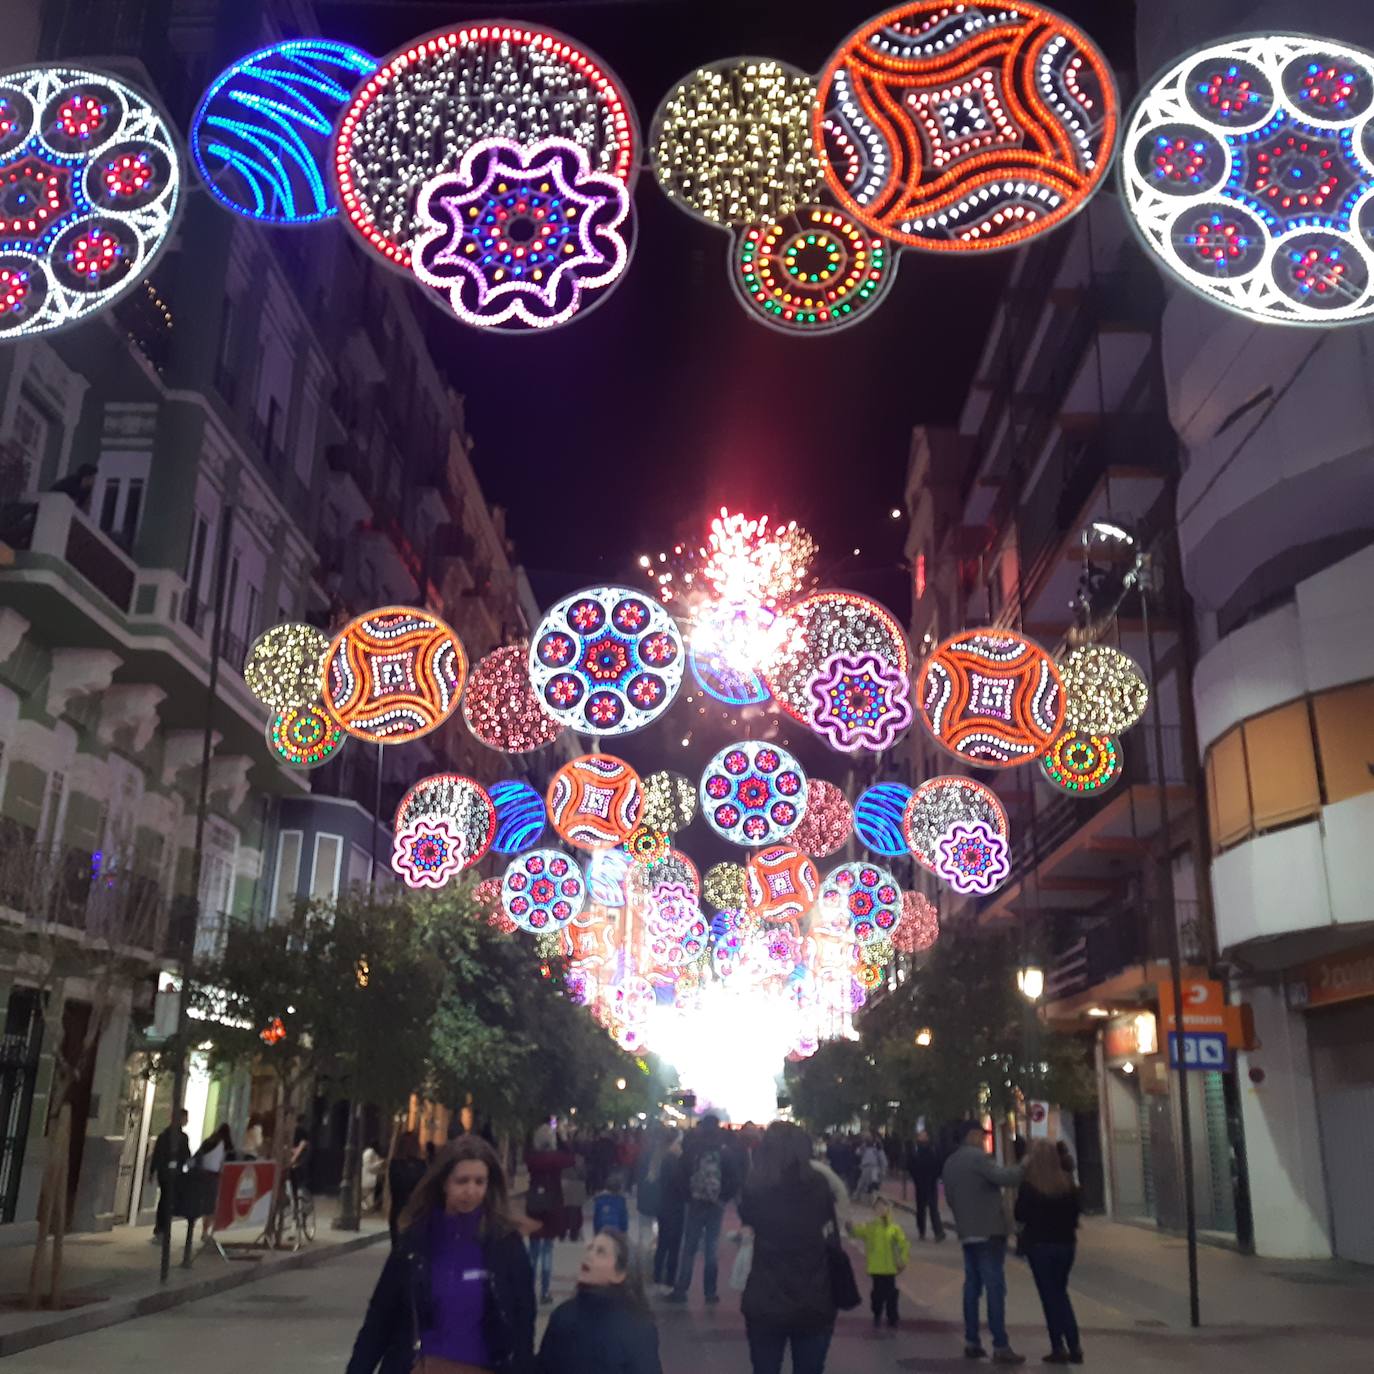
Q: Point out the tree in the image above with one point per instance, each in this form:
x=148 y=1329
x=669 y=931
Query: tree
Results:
x=837 y=1085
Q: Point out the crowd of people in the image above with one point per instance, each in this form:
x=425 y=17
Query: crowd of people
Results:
x=460 y=1291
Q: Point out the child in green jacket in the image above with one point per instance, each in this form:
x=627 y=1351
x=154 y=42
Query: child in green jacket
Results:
x=886 y=1252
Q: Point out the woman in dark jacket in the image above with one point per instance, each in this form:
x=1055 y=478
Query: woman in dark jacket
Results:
x=672 y=1212
x=545 y=1204
x=606 y=1328
x=403 y=1176
x=457 y=1293
x=787 y=1299
x=1047 y=1209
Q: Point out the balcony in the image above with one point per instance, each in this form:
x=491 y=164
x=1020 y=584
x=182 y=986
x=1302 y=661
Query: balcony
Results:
x=52 y=534
x=351 y=476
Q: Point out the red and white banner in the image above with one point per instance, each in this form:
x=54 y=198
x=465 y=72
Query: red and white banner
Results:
x=245 y=1195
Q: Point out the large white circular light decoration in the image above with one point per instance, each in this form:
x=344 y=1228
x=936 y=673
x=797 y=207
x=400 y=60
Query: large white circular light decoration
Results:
x=606 y=661
x=753 y=793
x=89 y=184
x=1247 y=168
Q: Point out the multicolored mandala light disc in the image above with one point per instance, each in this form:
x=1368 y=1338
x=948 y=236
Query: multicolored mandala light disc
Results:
x=645 y=845
x=595 y=801
x=520 y=815
x=725 y=886
x=867 y=895
x=521 y=237
x=938 y=803
x=860 y=701
x=753 y=793
x=920 y=924
x=1247 y=168
x=828 y=822
x=878 y=818
x=262 y=133
x=304 y=736
x=972 y=857
x=965 y=127
x=1105 y=692
x=394 y=674
x=822 y=625
x=427 y=853
x=89 y=185
x=501 y=708
x=991 y=698
x=543 y=890
x=606 y=661
x=1083 y=765
x=459 y=801
x=670 y=802
x=432 y=100
x=284 y=665
x=731 y=143
x=811 y=272
x=783 y=882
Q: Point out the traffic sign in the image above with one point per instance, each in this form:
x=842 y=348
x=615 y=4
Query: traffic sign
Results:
x=1205 y=1050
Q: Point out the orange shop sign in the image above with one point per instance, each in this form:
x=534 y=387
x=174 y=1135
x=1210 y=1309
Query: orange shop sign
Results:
x=1339 y=978
x=1204 y=1009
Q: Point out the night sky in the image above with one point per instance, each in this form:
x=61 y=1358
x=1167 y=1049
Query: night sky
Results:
x=627 y=429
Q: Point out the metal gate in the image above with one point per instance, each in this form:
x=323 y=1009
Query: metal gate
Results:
x=1342 y=1042
x=19 y=1051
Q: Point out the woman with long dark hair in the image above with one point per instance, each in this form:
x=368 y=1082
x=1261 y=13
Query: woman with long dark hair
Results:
x=788 y=1298
x=457 y=1294
x=1047 y=1208
x=606 y=1327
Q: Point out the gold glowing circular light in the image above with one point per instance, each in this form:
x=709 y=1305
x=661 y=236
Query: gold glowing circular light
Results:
x=731 y=143
x=725 y=886
x=1105 y=692
x=283 y=667
x=670 y=802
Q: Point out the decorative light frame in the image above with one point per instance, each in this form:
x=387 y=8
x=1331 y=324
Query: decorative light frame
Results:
x=828 y=822
x=322 y=741
x=753 y=793
x=500 y=706
x=520 y=816
x=939 y=803
x=884 y=715
x=878 y=812
x=284 y=665
x=868 y=894
x=982 y=876
x=1083 y=765
x=436 y=838
x=595 y=801
x=1105 y=692
x=460 y=801
x=543 y=890
x=782 y=882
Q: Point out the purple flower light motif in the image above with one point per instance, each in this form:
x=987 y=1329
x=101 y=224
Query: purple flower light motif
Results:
x=428 y=853
x=522 y=237
x=972 y=857
x=860 y=701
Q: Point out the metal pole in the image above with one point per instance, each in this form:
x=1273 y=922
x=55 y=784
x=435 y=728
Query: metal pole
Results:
x=376 y=822
x=1185 y=1122
x=187 y=954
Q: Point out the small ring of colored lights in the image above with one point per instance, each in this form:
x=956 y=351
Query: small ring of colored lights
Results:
x=1105 y=693
x=304 y=736
x=812 y=272
x=731 y=143
x=262 y=135
x=1083 y=765
x=938 y=803
x=431 y=100
x=1246 y=171
x=90 y=185
x=867 y=895
x=543 y=890
x=753 y=793
x=645 y=845
x=459 y=801
x=964 y=128
x=394 y=674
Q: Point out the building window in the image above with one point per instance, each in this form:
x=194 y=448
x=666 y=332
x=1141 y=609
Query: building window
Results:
x=30 y=432
x=288 y=874
x=1345 y=735
x=324 y=876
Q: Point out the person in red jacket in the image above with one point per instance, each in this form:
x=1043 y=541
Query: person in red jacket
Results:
x=544 y=1203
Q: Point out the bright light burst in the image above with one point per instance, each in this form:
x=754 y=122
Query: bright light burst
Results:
x=745 y=562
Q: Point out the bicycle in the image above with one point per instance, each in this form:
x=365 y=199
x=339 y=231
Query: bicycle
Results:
x=302 y=1220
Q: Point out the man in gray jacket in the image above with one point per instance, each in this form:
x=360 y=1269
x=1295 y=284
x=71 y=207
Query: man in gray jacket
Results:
x=973 y=1188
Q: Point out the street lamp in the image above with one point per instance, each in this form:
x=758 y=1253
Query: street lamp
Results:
x=924 y=1037
x=620 y=1083
x=1031 y=981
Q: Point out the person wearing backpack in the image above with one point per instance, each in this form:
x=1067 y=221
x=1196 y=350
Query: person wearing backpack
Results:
x=708 y=1165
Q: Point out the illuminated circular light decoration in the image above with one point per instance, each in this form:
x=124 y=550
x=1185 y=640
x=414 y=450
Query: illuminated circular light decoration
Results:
x=606 y=661
x=1246 y=168
x=814 y=271
x=783 y=883
x=718 y=679
x=520 y=815
x=670 y=802
x=828 y=822
x=464 y=804
x=543 y=890
x=968 y=127
x=1105 y=692
x=645 y=845
x=725 y=886
x=431 y=101
x=427 y=853
x=1083 y=765
x=501 y=708
x=262 y=134
x=878 y=818
x=938 y=803
x=304 y=736
x=284 y=665
x=753 y=793
x=731 y=143
x=867 y=895
x=920 y=924
x=991 y=698
x=89 y=186
x=523 y=237
x=608 y=872
x=972 y=857
x=595 y=801
x=822 y=625
x=860 y=701
x=394 y=674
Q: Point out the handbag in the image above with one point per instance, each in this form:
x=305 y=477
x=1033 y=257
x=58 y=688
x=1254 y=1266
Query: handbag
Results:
x=539 y=1199
x=844 y=1288
x=744 y=1262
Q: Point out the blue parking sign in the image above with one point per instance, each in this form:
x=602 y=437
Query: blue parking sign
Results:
x=1205 y=1050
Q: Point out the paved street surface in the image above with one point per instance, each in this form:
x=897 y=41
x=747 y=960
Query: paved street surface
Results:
x=1129 y=1290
